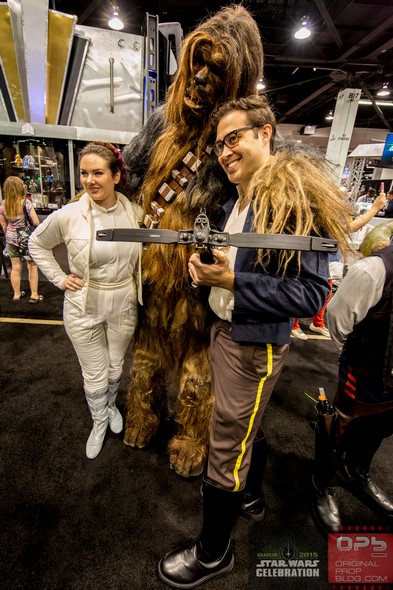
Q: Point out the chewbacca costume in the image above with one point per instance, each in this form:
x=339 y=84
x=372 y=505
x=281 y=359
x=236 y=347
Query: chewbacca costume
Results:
x=171 y=169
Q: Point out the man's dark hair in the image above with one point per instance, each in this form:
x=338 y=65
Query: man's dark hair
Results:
x=257 y=108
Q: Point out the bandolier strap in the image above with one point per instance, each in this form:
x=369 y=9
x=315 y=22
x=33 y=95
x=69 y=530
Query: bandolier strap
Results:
x=168 y=191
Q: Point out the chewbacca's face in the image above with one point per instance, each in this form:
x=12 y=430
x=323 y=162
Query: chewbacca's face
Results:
x=206 y=74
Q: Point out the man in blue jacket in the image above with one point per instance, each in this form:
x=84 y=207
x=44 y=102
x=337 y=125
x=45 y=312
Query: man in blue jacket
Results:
x=255 y=294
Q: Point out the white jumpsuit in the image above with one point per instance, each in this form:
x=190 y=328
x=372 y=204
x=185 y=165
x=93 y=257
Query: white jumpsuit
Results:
x=100 y=318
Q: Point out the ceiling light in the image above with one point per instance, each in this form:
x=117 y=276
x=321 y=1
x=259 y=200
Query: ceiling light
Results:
x=304 y=31
x=384 y=91
x=330 y=116
x=261 y=85
x=115 y=22
x=380 y=103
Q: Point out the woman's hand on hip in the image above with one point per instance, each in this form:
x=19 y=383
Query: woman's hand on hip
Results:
x=72 y=282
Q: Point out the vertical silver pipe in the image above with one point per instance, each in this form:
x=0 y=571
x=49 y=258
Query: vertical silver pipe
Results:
x=111 y=86
x=71 y=167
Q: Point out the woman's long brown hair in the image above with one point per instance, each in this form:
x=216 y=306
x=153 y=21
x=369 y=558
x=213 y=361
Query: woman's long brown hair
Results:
x=14 y=193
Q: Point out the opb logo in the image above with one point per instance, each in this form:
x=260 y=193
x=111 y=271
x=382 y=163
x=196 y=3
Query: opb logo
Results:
x=359 y=542
x=361 y=557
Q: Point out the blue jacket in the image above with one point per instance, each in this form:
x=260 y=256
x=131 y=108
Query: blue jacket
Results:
x=265 y=304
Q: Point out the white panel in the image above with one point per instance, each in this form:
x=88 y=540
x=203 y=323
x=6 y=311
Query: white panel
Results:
x=342 y=127
x=35 y=36
x=93 y=106
x=368 y=150
x=66 y=132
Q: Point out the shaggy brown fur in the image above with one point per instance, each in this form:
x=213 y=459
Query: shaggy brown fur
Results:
x=220 y=60
x=293 y=196
x=219 y=51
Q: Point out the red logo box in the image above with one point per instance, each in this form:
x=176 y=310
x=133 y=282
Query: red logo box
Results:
x=362 y=556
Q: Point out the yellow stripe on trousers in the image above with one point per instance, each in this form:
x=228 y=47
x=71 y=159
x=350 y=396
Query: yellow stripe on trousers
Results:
x=269 y=353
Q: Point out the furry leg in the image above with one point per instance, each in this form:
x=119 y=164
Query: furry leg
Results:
x=188 y=449
x=146 y=398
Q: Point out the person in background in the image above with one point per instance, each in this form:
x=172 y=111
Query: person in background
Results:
x=378 y=205
x=4 y=260
x=254 y=296
x=318 y=321
x=12 y=217
x=360 y=322
x=388 y=211
x=368 y=197
x=102 y=290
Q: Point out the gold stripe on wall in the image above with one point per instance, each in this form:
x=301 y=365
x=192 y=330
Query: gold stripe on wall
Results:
x=8 y=57
x=60 y=34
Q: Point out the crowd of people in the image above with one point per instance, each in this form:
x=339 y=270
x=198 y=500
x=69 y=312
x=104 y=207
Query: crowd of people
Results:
x=254 y=298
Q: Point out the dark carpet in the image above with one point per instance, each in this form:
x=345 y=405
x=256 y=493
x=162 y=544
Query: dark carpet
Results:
x=70 y=523
x=51 y=308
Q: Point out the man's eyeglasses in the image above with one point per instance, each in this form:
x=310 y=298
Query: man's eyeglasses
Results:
x=231 y=140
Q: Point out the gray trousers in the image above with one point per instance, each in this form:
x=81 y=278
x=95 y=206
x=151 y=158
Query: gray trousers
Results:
x=244 y=376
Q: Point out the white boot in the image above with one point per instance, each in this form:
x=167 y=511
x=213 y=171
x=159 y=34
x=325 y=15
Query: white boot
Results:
x=98 y=405
x=115 y=418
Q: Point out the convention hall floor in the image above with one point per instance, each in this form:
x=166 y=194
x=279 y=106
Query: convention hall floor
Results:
x=69 y=523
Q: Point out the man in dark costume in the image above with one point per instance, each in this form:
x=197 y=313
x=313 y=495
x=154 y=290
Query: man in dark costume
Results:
x=361 y=324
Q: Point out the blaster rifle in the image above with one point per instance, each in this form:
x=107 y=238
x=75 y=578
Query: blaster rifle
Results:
x=203 y=238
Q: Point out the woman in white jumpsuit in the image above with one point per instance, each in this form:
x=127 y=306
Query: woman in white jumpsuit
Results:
x=103 y=289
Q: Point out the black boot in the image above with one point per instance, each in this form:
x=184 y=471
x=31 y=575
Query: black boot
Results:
x=361 y=441
x=324 y=504
x=360 y=484
x=325 y=508
x=254 y=499
x=211 y=555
